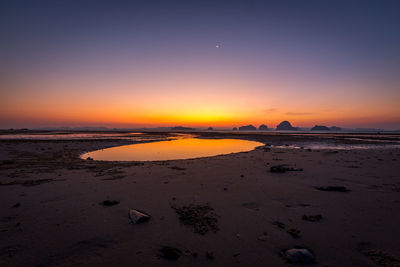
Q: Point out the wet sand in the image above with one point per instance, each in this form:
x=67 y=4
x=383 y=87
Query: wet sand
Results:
x=51 y=212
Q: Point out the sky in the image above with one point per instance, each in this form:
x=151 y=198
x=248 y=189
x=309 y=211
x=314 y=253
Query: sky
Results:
x=199 y=63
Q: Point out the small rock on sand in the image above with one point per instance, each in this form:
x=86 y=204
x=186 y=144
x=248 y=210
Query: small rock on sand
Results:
x=263 y=238
x=138 y=216
x=299 y=256
x=295 y=233
x=169 y=253
x=109 y=203
x=279 y=224
x=210 y=255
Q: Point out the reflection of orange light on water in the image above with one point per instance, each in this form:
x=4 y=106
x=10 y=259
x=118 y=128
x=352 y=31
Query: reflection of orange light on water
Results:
x=175 y=149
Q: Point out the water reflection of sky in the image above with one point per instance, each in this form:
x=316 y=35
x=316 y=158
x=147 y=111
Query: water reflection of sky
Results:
x=182 y=148
x=58 y=136
x=337 y=146
x=135 y=136
x=298 y=141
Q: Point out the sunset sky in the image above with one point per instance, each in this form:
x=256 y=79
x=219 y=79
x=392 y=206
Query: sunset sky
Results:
x=199 y=63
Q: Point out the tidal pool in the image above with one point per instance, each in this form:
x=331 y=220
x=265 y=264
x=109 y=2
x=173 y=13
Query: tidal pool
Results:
x=186 y=148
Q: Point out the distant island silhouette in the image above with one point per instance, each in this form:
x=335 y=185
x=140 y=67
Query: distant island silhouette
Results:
x=247 y=128
x=320 y=128
x=181 y=128
x=285 y=126
x=263 y=127
x=326 y=128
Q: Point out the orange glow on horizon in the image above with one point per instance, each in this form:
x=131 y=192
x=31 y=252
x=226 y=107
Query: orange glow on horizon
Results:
x=217 y=103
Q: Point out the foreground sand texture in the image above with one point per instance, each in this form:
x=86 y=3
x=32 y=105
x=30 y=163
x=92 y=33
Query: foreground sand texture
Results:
x=53 y=212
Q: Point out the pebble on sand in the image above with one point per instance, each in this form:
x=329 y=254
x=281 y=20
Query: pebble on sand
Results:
x=299 y=256
x=210 y=255
x=280 y=225
x=295 y=233
x=138 y=216
x=169 y=253
x=263 y=238
x=109 y=203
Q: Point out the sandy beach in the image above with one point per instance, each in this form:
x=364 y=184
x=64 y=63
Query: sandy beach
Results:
x=53 y=214
x=224 y=133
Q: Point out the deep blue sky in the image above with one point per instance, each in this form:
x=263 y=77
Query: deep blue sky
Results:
x=326 y=52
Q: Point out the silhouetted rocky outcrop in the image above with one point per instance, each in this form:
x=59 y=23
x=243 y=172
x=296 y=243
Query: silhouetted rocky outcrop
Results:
x=285 y=126
x=263 y=127
x=210 y=128
x=247 y=128
x=320 y=128
x=234 y=129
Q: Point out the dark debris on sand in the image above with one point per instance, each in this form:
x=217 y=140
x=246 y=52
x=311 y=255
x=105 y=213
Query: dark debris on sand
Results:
x=331 y=152
x=332 y=188
x=201 y=217
x=6 y=162
x=283 y=168
x=177 y=168
x=28 y=182
x=382 y=258
x=312 y=218
x=116 y=177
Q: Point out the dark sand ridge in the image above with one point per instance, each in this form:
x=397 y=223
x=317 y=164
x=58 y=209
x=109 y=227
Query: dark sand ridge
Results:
x=58 y=220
